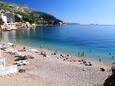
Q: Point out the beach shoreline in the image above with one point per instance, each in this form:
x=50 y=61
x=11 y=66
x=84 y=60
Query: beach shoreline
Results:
x=64 y=53
x=51 y=70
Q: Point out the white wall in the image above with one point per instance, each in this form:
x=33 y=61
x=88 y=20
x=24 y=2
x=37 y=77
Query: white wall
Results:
x=8 y=70
x=4 y=18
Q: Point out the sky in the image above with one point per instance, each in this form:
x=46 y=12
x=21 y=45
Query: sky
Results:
x=75 y=11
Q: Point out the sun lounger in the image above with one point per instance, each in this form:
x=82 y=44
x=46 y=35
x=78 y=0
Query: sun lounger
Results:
x=0 y=46
x=21 y=62
x=33 y=50
x=10 y=44
x=19 y=54
x=11 y=50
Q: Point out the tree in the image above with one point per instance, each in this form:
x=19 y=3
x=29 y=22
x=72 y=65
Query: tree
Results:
x=17 y=19
x=1 y=22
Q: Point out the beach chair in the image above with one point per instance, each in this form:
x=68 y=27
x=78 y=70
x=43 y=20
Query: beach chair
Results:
x=33 y=50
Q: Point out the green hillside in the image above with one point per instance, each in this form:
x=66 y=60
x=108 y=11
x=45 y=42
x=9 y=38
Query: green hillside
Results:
x=28 y=14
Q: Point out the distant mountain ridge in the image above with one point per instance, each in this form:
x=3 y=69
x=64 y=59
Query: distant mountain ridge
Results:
x=25 y=14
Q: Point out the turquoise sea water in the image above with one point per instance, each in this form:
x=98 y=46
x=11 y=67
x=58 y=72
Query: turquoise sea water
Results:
x=96 y=41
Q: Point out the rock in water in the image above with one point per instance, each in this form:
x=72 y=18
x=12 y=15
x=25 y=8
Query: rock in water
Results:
x=110 y=81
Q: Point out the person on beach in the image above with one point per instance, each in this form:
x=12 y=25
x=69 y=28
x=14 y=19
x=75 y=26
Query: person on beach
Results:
x=99 y=59
x=13 y=46
x=78 y=54
x=24 y=48
x=82 y=54
x=53 y=53
x=67 y=54
x=112 y=57
x=41 y=46
x=109 y=53
x=43 y=54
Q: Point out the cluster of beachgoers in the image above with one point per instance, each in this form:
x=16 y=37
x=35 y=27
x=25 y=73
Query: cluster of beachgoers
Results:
x=45 y=67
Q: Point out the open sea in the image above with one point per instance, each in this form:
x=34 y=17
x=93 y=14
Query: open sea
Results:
x=96 y=41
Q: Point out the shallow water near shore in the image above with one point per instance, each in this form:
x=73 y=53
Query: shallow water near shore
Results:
x=96 y=41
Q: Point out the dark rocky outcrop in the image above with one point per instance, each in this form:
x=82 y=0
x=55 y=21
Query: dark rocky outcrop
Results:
x=110 y=81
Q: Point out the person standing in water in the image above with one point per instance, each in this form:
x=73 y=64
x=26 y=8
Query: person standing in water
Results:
x=99 y=59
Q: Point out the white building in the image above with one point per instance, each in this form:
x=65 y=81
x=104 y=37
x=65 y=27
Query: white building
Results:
x=4 y=18
x=8 y=17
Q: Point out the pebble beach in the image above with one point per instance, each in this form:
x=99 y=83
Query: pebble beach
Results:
x=54 y=70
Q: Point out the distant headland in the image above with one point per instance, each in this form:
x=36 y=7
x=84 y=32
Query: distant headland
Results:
x=16 y=16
